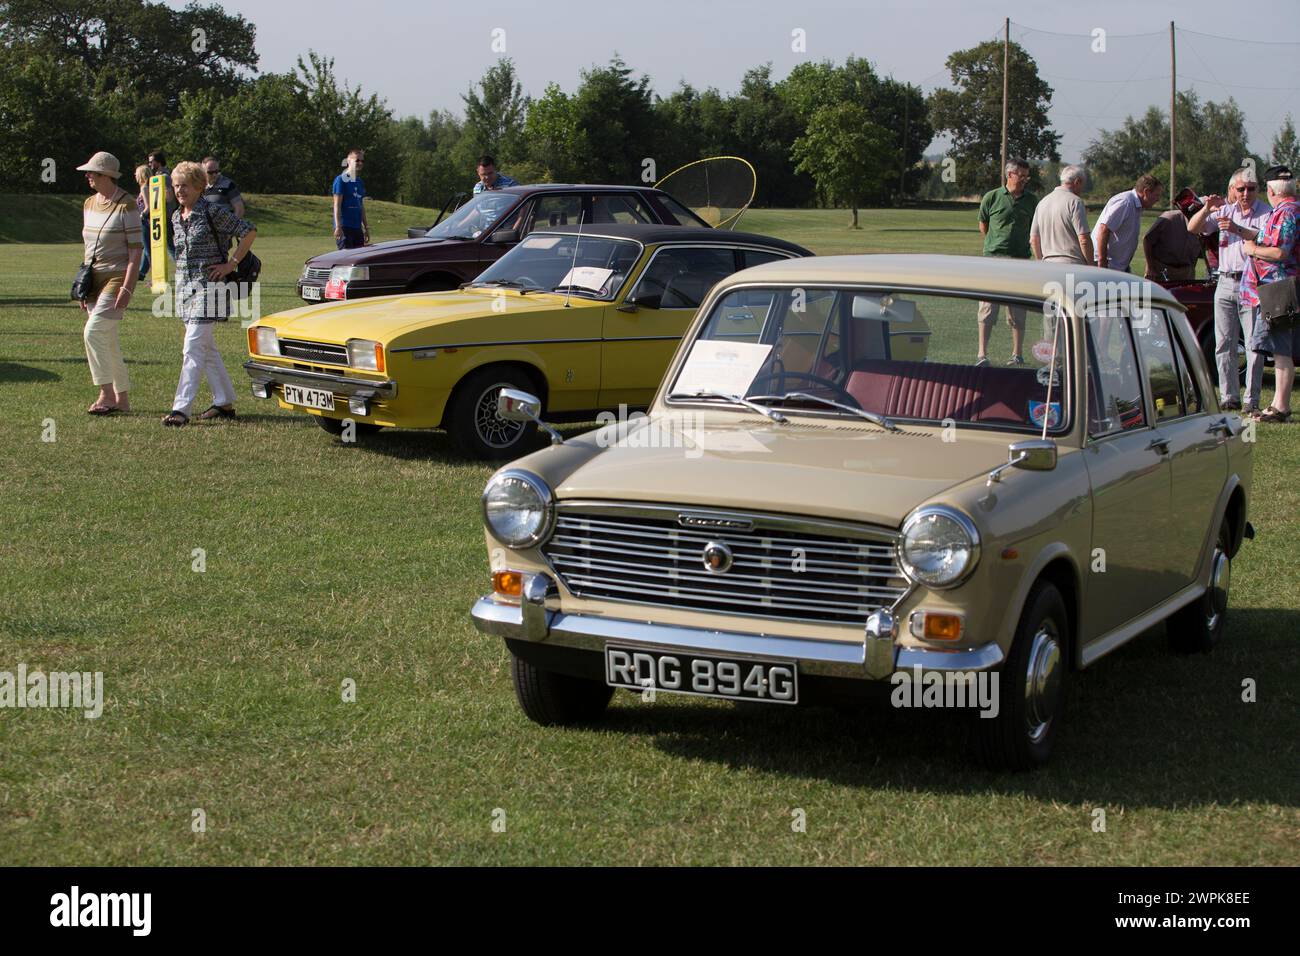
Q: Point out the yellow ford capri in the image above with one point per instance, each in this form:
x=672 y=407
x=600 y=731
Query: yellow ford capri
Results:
x=585 y=319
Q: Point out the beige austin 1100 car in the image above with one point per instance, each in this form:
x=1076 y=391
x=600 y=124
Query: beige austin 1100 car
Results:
x=803 y=506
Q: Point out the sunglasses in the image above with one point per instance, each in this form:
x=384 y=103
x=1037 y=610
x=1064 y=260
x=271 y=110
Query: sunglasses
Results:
x=1248 y=189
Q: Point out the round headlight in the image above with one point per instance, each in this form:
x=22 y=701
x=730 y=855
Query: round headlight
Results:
x=939 y=547
x=518 y=508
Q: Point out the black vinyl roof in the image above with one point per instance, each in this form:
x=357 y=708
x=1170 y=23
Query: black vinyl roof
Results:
x=530 y=188
x=654 y=233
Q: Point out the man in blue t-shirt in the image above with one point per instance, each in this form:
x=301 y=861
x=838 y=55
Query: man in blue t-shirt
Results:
x=350 y=227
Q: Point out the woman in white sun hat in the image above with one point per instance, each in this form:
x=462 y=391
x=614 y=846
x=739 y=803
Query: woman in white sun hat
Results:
x=110 y=229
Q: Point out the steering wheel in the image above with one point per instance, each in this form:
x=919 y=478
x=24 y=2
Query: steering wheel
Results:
x=841 y=394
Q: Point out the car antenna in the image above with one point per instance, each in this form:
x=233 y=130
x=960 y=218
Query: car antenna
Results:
x=568 y=289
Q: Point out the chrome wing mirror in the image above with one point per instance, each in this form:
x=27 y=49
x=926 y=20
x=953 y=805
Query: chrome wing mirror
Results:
x=515 y=405
x=1037 y=454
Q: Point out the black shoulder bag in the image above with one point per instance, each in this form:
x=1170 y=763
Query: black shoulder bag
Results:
x=246 y=270
x=84 y=281
x=1279 y=303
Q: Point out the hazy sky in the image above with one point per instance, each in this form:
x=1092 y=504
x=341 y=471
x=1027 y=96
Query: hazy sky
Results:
x=421 y=56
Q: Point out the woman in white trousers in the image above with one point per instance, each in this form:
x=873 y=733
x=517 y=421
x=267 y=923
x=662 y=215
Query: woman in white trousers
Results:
x=202 y=233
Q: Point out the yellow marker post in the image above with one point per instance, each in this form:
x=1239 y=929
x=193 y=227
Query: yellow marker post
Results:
x=160 y=264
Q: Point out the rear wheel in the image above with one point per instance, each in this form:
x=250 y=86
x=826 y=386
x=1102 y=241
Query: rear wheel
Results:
x=1030 y=687
x=1196 y=629
x=551 y=699
x=472 y=417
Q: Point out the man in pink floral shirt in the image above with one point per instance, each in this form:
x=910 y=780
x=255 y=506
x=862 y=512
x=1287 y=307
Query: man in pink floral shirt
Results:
x=1273 y=255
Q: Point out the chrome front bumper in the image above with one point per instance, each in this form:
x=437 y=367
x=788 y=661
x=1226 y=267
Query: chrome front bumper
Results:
x=537 y=618
x=266 y=375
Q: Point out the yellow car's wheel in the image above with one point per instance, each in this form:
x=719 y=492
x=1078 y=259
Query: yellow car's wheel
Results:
x=472 y=417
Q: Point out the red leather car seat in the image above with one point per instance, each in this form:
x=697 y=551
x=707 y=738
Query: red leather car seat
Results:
x=937 y=391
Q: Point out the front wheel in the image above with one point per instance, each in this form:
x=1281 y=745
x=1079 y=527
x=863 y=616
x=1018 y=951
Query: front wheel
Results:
x=550 y=699
x=1030 y=688
x=473 y=421
x=1196 y=628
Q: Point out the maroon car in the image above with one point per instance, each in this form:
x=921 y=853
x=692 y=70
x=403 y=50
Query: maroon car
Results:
x=478 y=233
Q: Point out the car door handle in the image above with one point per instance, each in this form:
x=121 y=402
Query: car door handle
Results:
x=1221 y=426
x=1159 y=444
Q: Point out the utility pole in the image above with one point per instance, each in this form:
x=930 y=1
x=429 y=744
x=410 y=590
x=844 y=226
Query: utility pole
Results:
x=1173 y=119
x=1006 y=60
x=902 y=158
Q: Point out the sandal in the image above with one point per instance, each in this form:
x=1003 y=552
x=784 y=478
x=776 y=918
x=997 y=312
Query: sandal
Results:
x=103 y=410
x=1275 y=416
x=216 y=411
x=176 y=418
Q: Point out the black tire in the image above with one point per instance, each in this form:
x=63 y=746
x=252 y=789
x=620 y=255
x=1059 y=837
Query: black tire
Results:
x=552 y=699
x=1020 y=736
x=1196 y=628
x=472 y=420
x=335 y=426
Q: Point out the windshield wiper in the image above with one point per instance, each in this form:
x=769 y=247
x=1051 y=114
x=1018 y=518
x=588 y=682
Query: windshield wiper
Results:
x=872 y=417
x=509 y=284
x=577 y=288
x=762 y=410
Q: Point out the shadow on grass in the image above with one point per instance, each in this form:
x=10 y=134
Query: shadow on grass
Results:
x=13 y=372
x=1142 y=727
x=437 y=445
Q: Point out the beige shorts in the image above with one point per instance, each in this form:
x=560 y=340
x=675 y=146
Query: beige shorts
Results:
x=988 y=314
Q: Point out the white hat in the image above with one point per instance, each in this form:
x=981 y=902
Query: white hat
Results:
x=102 y=162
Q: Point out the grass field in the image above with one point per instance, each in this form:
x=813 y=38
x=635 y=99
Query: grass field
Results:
x=327 y=562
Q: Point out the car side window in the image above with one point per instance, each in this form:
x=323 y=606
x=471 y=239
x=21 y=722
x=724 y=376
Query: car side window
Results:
x=620 y=208
x=680 y=278
x=752 y=257
x=1151 y=330
x=1191 y=392
x=1114 y=389
x=561 y=210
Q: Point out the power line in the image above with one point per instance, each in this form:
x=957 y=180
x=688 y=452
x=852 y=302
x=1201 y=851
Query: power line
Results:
x=1216 y=36
x=1089 y=36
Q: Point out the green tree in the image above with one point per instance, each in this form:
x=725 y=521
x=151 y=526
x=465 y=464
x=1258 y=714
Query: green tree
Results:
x=1286 y=149
x=1211 y=144
x=615 y=114
x=555 y=140
x=125 y=42
x=691 y=125
x=765 y=127
x=495 y=114
x=845 y=153
x=45 y=113
x=261 y=134
x=971 y=115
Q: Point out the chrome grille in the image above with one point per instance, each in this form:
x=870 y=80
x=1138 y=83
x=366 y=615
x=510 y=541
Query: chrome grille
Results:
x=316 y=275
x=780 y=569
x=314 y=351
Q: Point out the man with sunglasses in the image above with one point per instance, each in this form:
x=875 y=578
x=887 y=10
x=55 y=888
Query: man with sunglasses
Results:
x=221 y=190
x=350 y=227
x=1237 y=218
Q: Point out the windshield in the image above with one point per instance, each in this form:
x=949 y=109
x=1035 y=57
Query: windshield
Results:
x=471 y=219
x=898 y=356
x=547 y=262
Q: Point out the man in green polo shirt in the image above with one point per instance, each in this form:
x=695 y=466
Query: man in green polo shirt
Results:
x=1006 y=213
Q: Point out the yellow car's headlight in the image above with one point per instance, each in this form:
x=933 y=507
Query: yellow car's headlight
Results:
x=366 y=354
x=263 y=341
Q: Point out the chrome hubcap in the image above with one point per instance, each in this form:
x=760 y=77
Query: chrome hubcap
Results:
x=492 y=429
x=1042 y=681
x=1217 y=597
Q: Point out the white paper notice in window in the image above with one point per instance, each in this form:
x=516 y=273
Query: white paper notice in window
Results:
x=726 y=367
